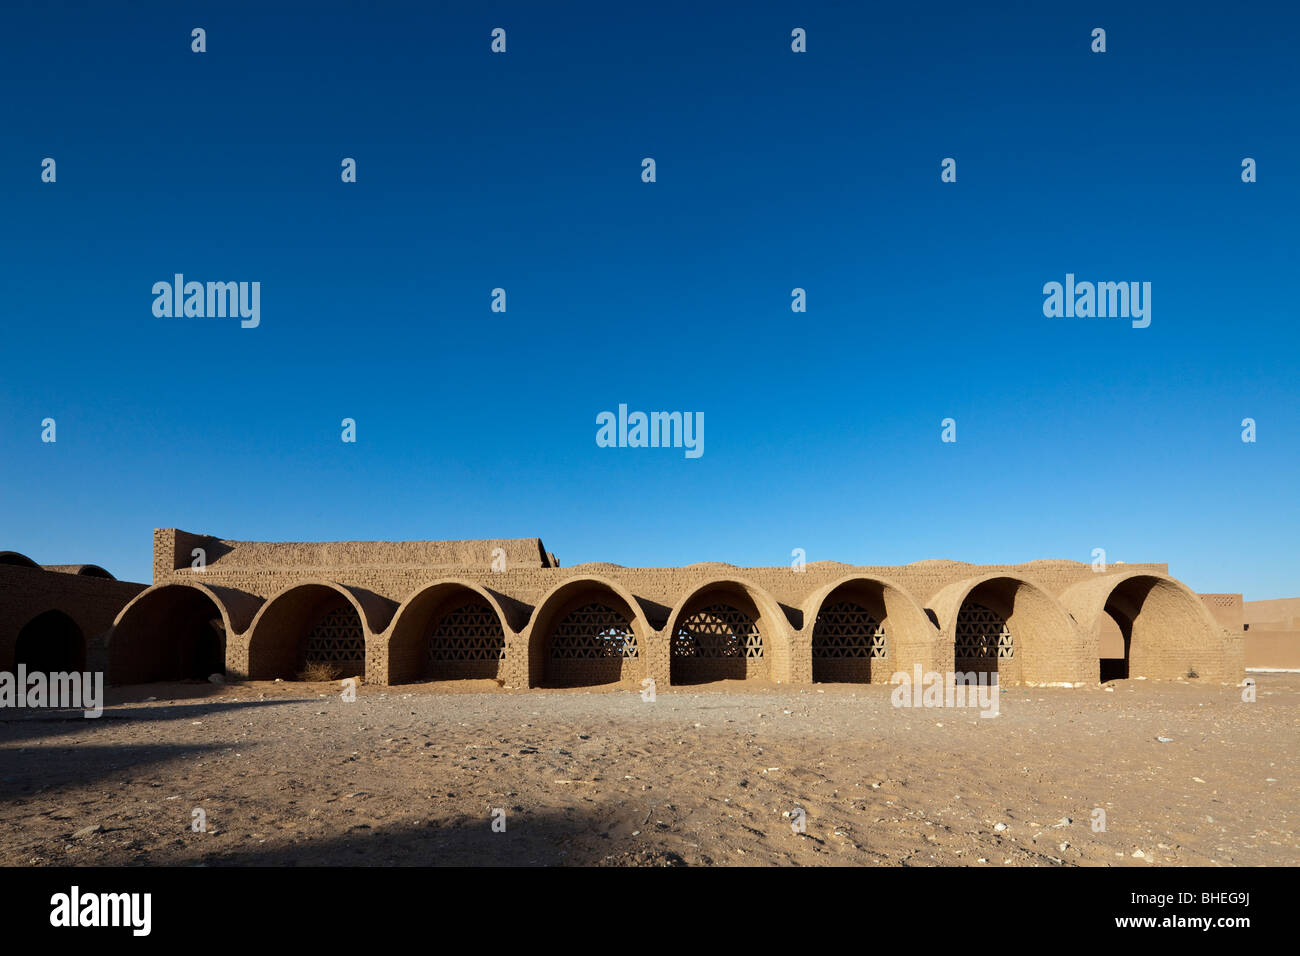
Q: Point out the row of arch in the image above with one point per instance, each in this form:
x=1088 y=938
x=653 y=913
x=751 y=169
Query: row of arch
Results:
x=592 y=630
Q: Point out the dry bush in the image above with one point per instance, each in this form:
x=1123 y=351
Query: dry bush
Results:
x=320 y=671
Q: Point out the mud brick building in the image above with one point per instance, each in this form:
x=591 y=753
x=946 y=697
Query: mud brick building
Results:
x=1272 y=634
x=408 y=611
x=48 y=615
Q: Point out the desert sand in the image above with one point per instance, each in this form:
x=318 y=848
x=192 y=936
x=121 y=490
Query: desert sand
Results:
x=291 y=774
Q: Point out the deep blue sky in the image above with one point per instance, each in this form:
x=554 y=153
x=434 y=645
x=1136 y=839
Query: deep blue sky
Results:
x=775 y=170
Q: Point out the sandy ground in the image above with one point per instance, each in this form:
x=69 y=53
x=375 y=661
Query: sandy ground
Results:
x=290 y=774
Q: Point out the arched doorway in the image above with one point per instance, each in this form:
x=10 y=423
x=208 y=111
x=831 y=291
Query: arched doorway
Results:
x=1144 y=624
x=586 y=632
x=311 y=631
x=1144 y=619
x=449 y=630
x=718 y=636
x=175 y=632
x=1010 y=626
x=51 y=643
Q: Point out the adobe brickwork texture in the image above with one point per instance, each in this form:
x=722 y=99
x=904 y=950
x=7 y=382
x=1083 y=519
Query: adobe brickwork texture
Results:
x=91 y=600
x=267 y=594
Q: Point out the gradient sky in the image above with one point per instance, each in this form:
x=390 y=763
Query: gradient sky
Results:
x=775 y=170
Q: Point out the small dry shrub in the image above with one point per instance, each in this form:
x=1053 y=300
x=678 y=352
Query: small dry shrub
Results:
x=320 y=671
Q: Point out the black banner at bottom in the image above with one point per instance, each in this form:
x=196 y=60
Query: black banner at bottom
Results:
x=345 y=904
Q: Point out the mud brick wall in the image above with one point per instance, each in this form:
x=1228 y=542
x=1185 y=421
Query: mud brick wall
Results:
x=267 y=593
x=32 y=598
